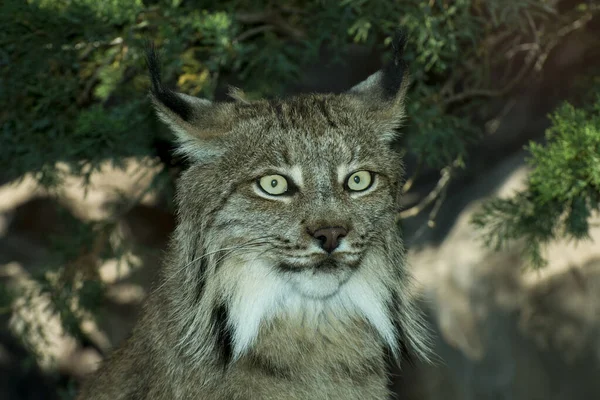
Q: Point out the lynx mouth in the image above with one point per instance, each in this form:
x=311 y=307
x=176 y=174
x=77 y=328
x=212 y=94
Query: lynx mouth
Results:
x=321 y=265
x=319 y=280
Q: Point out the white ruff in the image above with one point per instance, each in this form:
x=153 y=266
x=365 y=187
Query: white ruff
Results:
x=256 y=293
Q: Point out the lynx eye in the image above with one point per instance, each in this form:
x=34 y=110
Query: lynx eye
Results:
x=273 y=184
x=359 y=181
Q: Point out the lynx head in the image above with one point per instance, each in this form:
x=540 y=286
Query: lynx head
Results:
x=288 y=211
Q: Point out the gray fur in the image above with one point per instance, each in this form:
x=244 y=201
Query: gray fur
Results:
x=233 y=316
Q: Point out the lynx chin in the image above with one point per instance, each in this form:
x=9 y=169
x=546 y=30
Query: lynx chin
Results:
x=285 y=277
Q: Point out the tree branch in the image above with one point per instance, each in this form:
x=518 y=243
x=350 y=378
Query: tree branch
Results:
x=410 y=181
x=271 y=18
x=253 y=32
x=436 y=192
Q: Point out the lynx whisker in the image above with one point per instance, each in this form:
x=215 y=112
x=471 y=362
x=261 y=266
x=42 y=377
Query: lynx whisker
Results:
x=229 y=250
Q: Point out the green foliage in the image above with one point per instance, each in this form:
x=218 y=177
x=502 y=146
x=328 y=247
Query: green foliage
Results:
x=6 y=299
x=568 y=167
x=60 y=63
x=76 y=69
x=108 y=11
x=563 y=188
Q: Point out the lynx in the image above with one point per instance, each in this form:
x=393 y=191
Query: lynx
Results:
x=286 y=276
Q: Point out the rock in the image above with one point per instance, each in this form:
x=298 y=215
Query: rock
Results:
x=504 y=331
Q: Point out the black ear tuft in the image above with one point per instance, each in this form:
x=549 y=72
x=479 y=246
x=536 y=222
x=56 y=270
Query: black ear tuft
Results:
x=165 y=96
x=393 y=72
x=153 y=64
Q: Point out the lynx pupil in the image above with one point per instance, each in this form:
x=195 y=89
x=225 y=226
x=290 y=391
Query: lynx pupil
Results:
x=359 y=181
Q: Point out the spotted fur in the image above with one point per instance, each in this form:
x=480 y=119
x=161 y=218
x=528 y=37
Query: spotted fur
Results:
x=249 y=305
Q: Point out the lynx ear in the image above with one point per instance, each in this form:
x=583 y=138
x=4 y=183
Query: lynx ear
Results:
x=383 y=92
x=197 y=123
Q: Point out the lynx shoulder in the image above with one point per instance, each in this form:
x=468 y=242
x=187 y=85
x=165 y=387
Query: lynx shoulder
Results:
x=285 y=278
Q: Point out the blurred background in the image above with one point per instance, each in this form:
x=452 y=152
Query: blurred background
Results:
x=502 y=160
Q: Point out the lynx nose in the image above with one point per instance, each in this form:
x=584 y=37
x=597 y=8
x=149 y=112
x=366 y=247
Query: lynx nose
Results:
x=330 y=237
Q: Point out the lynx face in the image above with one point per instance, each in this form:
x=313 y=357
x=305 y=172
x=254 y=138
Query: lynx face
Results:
x=315 y=192
x=288 y=211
